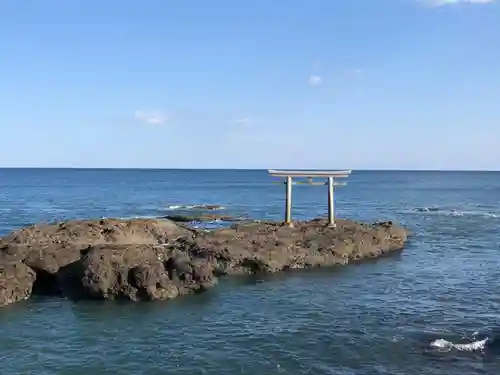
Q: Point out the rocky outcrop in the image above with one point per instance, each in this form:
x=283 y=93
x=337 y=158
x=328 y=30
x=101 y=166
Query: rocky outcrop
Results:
x=158 y=259
x=270 y=247
x=55 y=252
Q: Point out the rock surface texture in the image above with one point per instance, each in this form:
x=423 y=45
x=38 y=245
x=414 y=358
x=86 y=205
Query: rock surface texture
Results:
x=148 y=259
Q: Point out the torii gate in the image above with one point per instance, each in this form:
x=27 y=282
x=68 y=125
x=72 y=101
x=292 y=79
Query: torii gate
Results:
x=330 y=175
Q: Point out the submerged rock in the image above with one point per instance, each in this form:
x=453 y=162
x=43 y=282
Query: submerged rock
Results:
x=201 y=218
x=208 y=207
x=426 y=209
x=157 y=259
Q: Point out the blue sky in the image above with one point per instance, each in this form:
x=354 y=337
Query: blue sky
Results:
x=362 y=84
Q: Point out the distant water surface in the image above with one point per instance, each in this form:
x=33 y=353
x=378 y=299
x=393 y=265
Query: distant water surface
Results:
x=374 y=318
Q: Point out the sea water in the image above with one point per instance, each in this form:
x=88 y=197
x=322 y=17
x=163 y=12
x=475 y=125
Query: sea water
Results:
x=377 y=317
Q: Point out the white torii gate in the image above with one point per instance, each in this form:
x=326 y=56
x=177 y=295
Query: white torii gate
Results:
x=330 y=175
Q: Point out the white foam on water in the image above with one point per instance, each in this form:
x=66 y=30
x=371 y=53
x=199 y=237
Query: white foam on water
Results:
x=453 y=212
x=446 y=345
x=132 y=217
x=211 y=207
x=492 y=215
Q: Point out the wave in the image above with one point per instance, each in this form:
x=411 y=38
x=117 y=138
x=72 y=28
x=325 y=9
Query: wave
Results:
x=445 y=345
x=426 y=209
x=211 y=207
x=134 y=217
x=454 y=212
x=489 y=342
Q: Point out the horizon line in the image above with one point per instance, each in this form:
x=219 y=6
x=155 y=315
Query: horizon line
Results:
x=248 y=169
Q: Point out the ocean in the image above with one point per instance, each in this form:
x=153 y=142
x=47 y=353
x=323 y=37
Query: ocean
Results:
x=376 y=317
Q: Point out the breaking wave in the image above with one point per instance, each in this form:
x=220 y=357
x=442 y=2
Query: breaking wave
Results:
x=445 y=345
x=477 y=342
x=454 y=212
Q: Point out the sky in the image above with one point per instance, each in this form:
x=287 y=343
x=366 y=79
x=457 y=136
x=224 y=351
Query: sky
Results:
x=322 y=84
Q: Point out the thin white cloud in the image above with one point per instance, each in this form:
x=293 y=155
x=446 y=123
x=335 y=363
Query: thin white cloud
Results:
x=351 y=73
x=315 y=80
x=440 y=3
x=316 y=65
x=151 y=116
x=243 y=121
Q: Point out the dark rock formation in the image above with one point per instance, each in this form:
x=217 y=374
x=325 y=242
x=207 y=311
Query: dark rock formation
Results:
x=135 y=272
x=426 y=209
x=202 y=218
x=208 y=207
x=158 y=259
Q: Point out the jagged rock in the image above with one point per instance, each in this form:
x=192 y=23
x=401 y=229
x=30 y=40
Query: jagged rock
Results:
x=135 y=272
x=16 y=282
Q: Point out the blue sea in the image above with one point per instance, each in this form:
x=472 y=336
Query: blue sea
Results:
x=376 y=317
